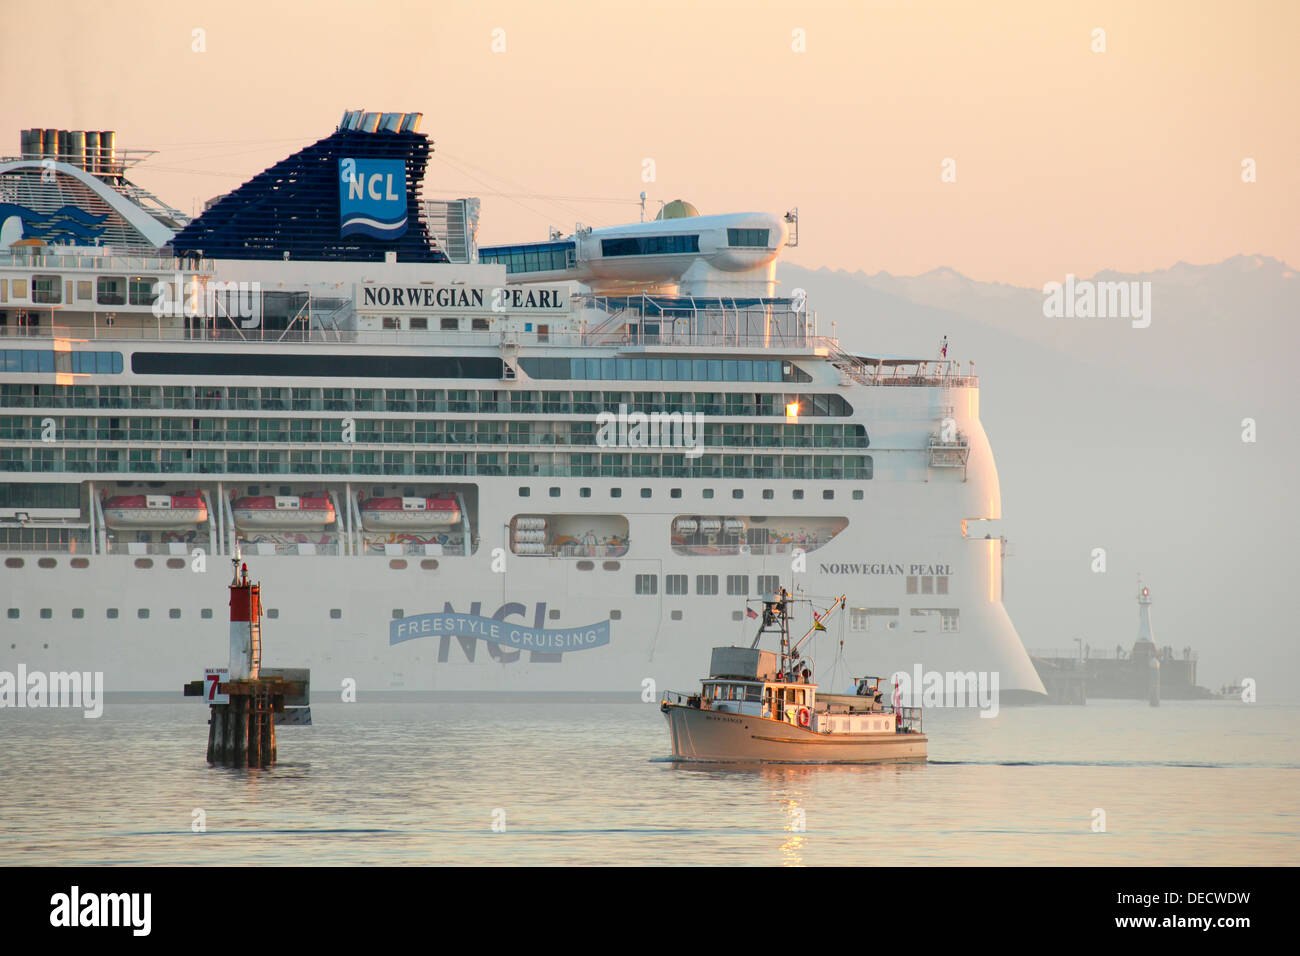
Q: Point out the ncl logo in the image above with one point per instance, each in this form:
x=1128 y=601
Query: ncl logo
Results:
x=372 y=197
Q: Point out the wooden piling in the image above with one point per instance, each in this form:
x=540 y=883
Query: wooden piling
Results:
x=242 y=732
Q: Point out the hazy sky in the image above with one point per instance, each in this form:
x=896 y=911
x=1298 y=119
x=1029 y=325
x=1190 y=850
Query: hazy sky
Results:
x=1066 y=160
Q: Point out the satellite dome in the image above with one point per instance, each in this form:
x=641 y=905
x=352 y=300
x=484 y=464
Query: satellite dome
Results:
x=677 y=209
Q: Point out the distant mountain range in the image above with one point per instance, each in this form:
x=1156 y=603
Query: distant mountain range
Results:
x=1128 y=439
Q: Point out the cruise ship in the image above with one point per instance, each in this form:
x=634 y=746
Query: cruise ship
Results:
x=559 y=465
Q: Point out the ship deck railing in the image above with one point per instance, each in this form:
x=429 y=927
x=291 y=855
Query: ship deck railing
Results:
x=1073 y=654
x=126 y=262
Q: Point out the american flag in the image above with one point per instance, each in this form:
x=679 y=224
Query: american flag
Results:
x=750 y=612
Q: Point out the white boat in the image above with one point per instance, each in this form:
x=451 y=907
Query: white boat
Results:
x=410 y=513
x=306 y=376
x=308 y=512
x=168 y=512
x=762 y=706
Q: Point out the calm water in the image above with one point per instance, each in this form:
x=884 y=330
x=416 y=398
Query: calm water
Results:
x=418 y=781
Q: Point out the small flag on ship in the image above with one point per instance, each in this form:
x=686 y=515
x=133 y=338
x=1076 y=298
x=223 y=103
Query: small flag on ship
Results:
x=817 y=622
x=750 y=612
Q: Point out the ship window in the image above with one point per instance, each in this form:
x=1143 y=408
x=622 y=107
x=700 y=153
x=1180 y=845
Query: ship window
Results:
x=616 y=615
x=708 y=492
x=647 y=584
x=675 y=493
x=646 y=492
x=768 y=584
x=706 y=584
x=859 y=619
x=47 y=290
x=737 y=616
x=85 y=563
x=142 y=290
x=610 y=566
x=14 y=562
x=397 y=564
x=737 y=492
x=927 y=584
x=676 y=615
x=419 y=324
x=747 y=237
x=429 y=564
x=13 y=614
x=206 y=614
x=768 y=494
x=175 y=563
x=78 y=613
x=144 y=562
x=738 y=584
x=142 y=613
x=449 y=325
x=398 y=613
x=828 y=495
x=584 y=492
x=941 y=584
x=272 y=613
x=911 y=584
x=616 y=492
x=392 y=322
x=524 y=491
x=174 y=614
x=675 y=584
x=586 y=565
x=797 y=494
x=46 y=613
x=20 y=288
x=336 y=613
x=111 y=613
x=857 y=494
x=554 y=492
x=553 y=614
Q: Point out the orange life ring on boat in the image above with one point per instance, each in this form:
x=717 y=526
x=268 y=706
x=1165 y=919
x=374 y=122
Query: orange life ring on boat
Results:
x=803 y=717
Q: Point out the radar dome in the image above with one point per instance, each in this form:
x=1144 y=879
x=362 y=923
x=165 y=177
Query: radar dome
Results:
x=677 y=209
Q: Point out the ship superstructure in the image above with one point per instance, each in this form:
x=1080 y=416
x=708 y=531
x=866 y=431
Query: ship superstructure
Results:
x=552 y=468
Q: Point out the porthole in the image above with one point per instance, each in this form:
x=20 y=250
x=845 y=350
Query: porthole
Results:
x=78 y=613
x=397 y=564
x=46 y=563
x=336 y=613
x=398 y=614
x=144 y=562
x=272 y=613
x=206 y=614
x=553 y=614
x=174 y=614
x=47 y=613
x=175 y=563
x=616 y=615
x=611 y=565
x=586 y=565
x=676 y=615
x=429 y=564
x=111 y=614
x=142 y=614
x=13 y=614
x=14 y=562
x=80 y=562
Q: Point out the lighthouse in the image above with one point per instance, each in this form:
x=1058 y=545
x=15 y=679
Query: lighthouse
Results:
x=1145 y=645
x=245 y=625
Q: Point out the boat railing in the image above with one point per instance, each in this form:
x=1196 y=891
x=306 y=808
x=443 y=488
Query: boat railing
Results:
x=675 y=698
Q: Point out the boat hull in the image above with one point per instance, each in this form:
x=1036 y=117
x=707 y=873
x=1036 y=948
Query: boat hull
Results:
x=698 y=734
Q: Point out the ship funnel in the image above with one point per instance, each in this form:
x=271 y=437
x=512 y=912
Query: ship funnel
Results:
x=411 y=122
x=348 y=119
x=92 y=151
x=390 y=122
x=369 y=122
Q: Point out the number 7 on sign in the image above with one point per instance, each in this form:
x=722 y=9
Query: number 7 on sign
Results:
x=213 y=677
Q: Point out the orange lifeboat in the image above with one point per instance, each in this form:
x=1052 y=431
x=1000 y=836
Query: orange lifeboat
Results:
x=308 y=512
x=410 y=514
x=165 y=512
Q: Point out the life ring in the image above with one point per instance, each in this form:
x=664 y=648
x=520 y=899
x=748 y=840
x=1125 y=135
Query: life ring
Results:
x=803 y=717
